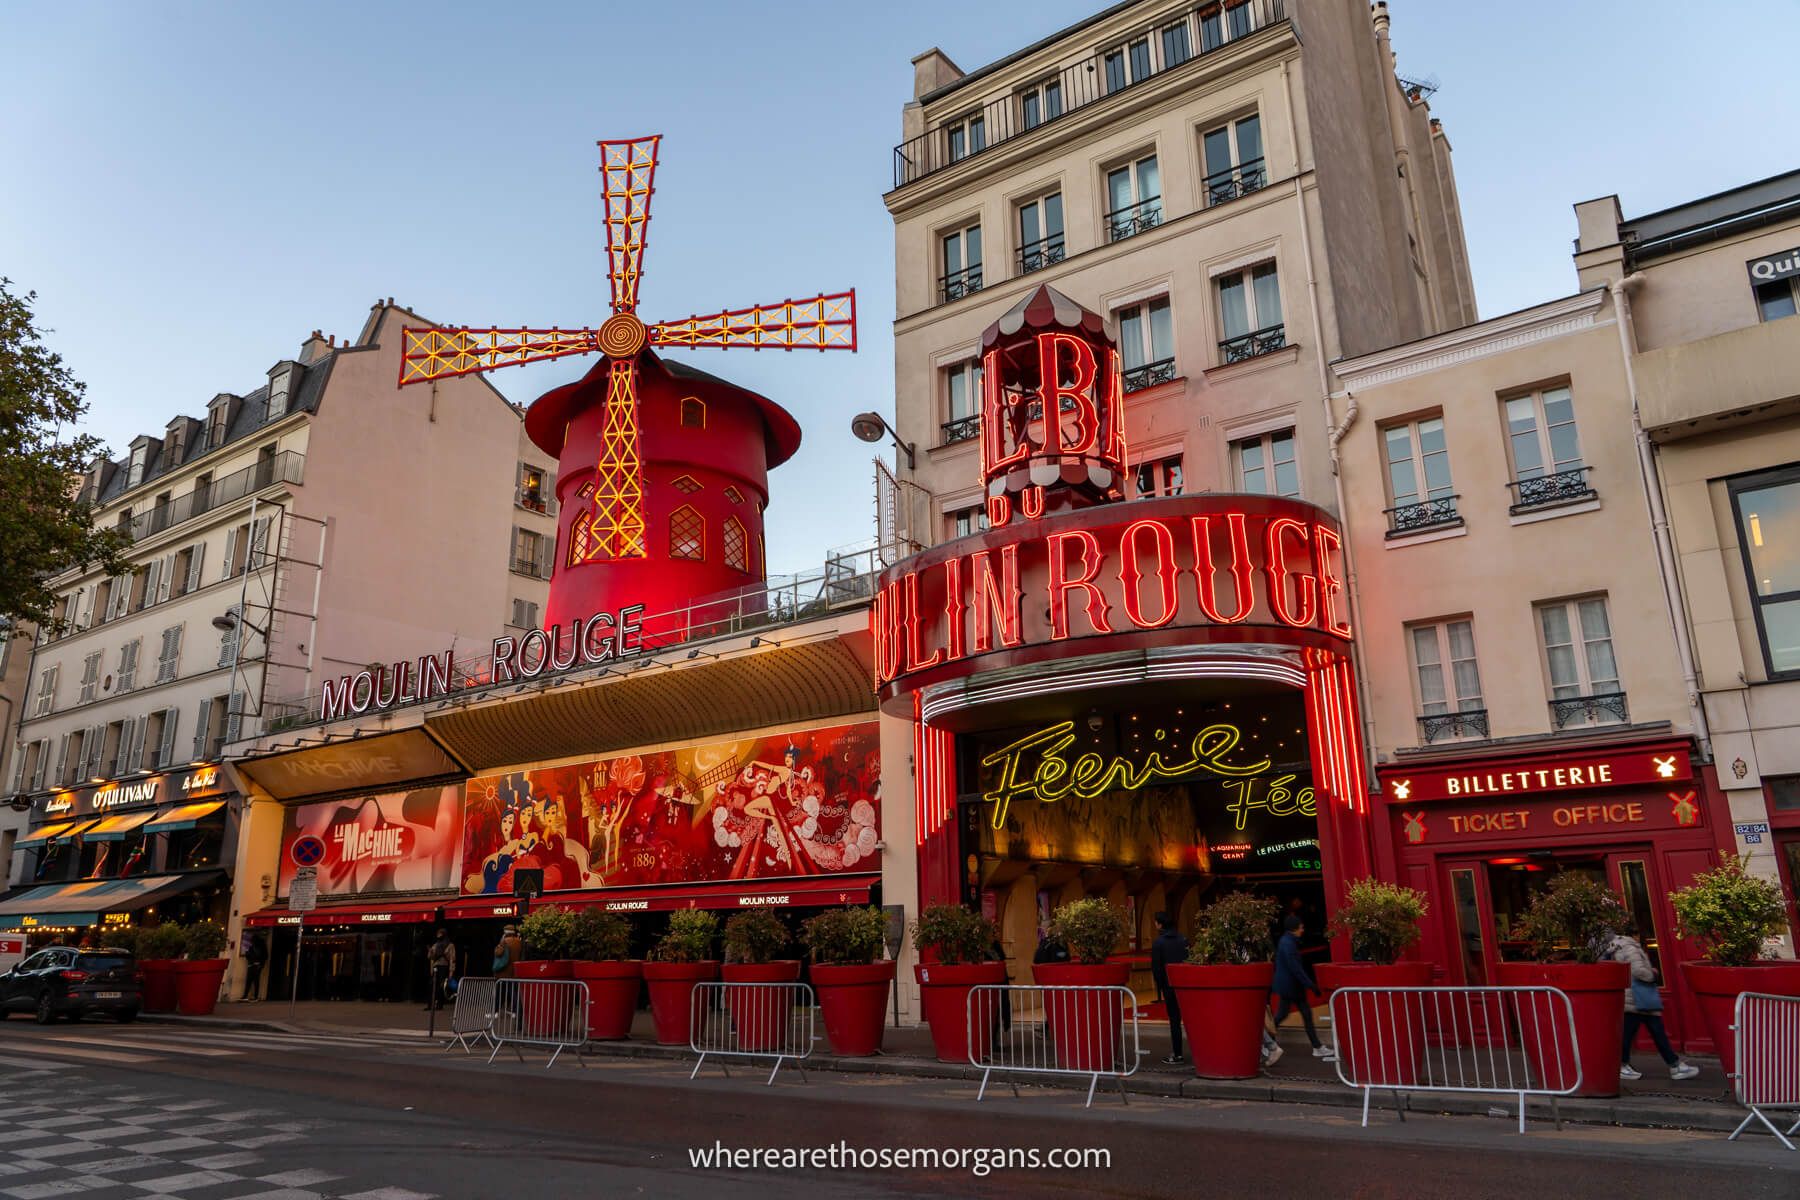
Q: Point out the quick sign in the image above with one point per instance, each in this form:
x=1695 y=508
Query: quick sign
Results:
x=1525 y=779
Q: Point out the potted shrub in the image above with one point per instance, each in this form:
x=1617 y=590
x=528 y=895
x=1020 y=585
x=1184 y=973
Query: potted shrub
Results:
x=1571 y=925
x=953 y=945
x=548 y=934
x=600 y=943
x=680 y=960
x=1085 y=1026
x=121 y=937
x=1732 y=914
x=1381 y=1039
x=850 y=976
x=159 y=948
x=754 y=941
x=1223 y=988
x=197 y=978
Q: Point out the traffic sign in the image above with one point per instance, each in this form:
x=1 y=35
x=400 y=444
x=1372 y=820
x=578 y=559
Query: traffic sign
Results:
x=303 y=893
x=308 y=850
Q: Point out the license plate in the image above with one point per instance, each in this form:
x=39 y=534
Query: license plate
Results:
x=107 y=995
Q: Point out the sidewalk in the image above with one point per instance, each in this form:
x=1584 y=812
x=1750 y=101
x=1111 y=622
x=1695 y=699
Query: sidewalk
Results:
x=1655 y=1101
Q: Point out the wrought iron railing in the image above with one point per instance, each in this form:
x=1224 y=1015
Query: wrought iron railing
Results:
x=1604 y=708
x=959 y=284
x=1422 y=514
x=532 y=567
x=1136 y=379
x=286 y=467
x=1232 y=182
x=1266 y=340
x=1546 y=491
x=962 y=428
x=1083 y=81
x=1442 y=727
x=1134 y=219
x=1035 y=256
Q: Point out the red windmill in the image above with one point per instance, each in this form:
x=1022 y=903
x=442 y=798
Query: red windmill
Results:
x=662 y=469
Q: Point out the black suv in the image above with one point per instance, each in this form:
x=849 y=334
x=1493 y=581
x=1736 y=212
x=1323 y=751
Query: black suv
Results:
x=63 y=981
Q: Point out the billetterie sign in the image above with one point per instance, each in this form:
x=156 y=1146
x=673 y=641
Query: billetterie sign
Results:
x=585 y=641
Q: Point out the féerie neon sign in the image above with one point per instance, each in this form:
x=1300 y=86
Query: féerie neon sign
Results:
x=1035 y=768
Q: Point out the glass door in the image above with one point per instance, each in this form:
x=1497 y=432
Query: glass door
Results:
x=1471 y=917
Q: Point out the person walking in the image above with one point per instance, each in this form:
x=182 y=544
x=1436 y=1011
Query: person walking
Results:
x=255 y=955
x=508 y=952
x=1168 y=947
x=1292 y=982
x=1643 y=1009
x=441 y=959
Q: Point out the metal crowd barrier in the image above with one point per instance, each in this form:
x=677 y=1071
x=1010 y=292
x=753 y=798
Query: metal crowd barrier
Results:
x=472 y=1014
x=1033 y=1029
x=753 y=1020
x=552 y=1013
x=1767 y=1032
x=1517 y=1040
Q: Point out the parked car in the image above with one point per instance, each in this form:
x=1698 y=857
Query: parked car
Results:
x=64 y=981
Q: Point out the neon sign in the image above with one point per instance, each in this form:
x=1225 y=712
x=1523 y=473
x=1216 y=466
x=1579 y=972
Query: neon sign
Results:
x=1276 y=798
x=1035 y=768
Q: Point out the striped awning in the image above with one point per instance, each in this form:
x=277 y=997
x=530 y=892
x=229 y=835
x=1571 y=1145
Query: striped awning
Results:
x=56 y=829
x=183 y=816
x=84 y=903
x=117 y=827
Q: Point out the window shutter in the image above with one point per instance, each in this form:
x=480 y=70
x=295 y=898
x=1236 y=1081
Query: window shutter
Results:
x=43 y=761
x=202 y=722
x=87 y=607
x=62 y=759
x=259 y=545
x=551 y=508
x=546 y=556
x=196 y=555
x=519 y=485
x=18 y=783
x=128 y=661
x=136 y=730
x=165 y=755
x=228 y=641
x=165 y=580
x=234 y=717
x=121 y=594
x=231 y=541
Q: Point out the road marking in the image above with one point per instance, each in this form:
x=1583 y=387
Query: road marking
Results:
x=91 y=1055
x=147 y=1044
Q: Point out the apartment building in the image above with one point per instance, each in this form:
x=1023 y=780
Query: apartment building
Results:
x=320 y=522
x=15 y=666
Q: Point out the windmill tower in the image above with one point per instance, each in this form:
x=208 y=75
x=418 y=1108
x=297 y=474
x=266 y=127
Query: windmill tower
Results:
x=662 y=469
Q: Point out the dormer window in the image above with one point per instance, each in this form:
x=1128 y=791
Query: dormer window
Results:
x=282 y=378
x=140 y=457
x=218 y=419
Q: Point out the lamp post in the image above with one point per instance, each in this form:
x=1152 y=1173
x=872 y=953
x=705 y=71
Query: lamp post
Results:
x=870 y=427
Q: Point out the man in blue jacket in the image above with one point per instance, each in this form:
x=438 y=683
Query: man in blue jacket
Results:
x=1168 y=947
x=1293 y=981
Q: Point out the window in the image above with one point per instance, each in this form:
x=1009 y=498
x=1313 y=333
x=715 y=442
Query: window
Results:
x=1450 y=703
x=1418 y=469
x=1043 y=102
x=140 y=457
x=1040 y=232
x=1578 y=652
x=1266 y=465
x=734 y=545
x=1146 y=344
x=90 y=678
x=534 y=488
x=1237 y=20
x=128 y=664
x=1250 y=313
x=1234 y=160
x=962 y=264
x=1768 y=517
x=733 y=495
x=965 y=521
x=46 y=691
x=1777 y=299
x=1133 y=199
x=208 y=723
x=531 y=553
x=687 y=485
x=1160 y=478
x=524 y=614
x=1127 y=65
x=1546 y=452
x=281 y=386
x=687 y=534
x=168 y=661
x=218 y=419
x=1177 y=47
x=693 y=413
x=966 y=136
x=962 y=397
x=202 y=491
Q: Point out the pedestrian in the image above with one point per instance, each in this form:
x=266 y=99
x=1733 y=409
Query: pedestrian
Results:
x=442 y=961
x=1293 y=981
x=1643 y=1009
x=1168 y=947
x=1271 y=1049
x=508 y=952
x=1050 y=948
x=255 y=955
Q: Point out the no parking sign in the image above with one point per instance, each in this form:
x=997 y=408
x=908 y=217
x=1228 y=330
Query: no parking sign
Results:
x=308 y=850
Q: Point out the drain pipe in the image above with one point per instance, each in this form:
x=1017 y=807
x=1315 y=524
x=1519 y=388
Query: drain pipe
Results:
x=1659 y=517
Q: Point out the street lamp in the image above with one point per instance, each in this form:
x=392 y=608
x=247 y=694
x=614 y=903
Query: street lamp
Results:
x=228 y=622
x=870 y=426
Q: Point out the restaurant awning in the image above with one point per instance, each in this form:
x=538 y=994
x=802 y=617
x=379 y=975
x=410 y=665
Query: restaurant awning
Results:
x=86 y=902
x=805 y=891
x=483 y=909
x=183 y=816
x=396 y=912
x=117 y=827
x=55 y=829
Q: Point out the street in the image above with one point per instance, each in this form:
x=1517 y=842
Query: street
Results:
x=106 y=1112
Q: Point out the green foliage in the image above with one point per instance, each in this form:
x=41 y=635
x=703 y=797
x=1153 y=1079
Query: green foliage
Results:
x=600 y=936
x=167 y=940
x=956 y=934
x=1381 y=920
x=548 y=933
x=755 y=935
x=1091 y=929
x=203 y=940
x=1573 y=920
x=690 y=937
x=120 y=937
x=1731 y=913
x=846 y=936
x=45 y=528
x=1235 y=929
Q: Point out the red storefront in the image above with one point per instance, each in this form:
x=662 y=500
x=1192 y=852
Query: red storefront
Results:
x=1480 y=835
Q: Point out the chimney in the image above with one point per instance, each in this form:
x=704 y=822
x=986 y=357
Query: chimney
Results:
x=314 y=348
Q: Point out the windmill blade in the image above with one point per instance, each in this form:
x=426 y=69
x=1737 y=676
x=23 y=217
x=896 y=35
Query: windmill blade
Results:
x=825 y=322
x=427 y=354
x=628 y=169
x=613 y=525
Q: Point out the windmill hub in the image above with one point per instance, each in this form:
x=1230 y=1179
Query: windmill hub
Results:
x=621 y=335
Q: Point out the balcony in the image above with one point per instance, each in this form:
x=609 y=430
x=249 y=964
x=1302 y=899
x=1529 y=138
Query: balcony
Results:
x=1134 y=219
x=531 y=568
x=1605 y=708
x=1082 y=82
x=962 y=429
x=286 y=467
x=1690 y=387
x=1250 y=345
x=1035 y=256
x=1549 y=491
x=1423 y=515
x=1149 y=375
x=1454 y=726
x=962 y=283
x=1225 y=186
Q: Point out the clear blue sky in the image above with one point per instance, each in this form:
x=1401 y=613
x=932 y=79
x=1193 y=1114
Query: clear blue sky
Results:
x=192 y=187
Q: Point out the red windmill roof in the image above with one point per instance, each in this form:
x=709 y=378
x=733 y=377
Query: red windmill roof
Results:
x=1046 y=308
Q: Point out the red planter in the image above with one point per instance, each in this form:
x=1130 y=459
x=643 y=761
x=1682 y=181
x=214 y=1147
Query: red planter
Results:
x=1084 y=1026
x=159 y=983
x=854 y=1001
x=944 y=995
x=612 y=997
x=1716 y=989
x=1222 y=1011
x=672 y=996
x=541 y=1009
x=1380 y=1040
x=1596 y=993
x=197 y=986
x=760 y=1015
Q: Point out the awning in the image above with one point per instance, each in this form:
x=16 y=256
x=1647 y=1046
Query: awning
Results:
x=806 y=891
x=476 y=910
x=84 y=903
x=44 y=833
x=117 y=827
x=183 y=816
x=397 y=912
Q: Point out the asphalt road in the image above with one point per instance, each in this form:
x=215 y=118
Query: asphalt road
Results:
x=107 y=1113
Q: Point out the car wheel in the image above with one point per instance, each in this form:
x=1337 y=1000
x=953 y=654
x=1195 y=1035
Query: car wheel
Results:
x=127 y=1015
x=46 y=1013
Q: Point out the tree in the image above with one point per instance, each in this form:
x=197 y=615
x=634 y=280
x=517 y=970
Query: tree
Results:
x=45 y=527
